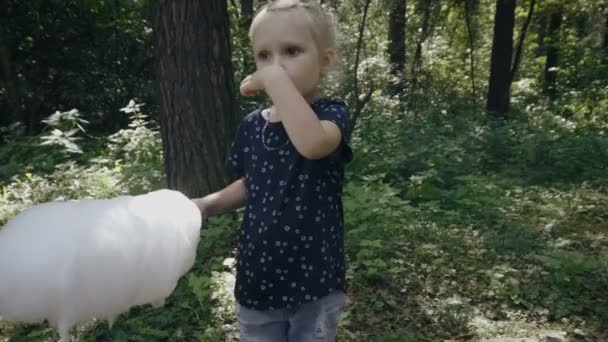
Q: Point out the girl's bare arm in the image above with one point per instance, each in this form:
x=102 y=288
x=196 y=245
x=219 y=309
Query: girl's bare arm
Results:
x=228 y=199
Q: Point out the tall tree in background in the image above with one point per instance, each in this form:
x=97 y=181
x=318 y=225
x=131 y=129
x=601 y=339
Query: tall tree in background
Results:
x=551 y=63
x=8 y=78
x=499 y=92
x=244 y=22
x=541 y=33
x=519 y=48
x=396 y=44
x=470 y=8
x=605 y=43
x=359 y=100
x=425 y=31
x=198 y=116
x=246 y=13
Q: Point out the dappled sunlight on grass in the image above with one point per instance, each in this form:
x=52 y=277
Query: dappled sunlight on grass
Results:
x=416 y=272
x=444 y=276
x=451 y=232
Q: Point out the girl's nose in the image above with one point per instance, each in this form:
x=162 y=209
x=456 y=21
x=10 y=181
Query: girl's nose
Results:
x=277 y=61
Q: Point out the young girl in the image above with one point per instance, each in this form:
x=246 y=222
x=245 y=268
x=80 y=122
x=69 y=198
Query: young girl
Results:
x=289 y=160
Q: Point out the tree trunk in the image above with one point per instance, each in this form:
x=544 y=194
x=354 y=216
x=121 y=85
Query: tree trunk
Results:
x=605 y=43
x=582 y=22
x=499 y=91
x=198 y=116
x=245 y=23
x=246 y=13
x=555 y=23
x=468 y=11
x=396 y=44
x=541 y=26
x=359 y=103
x=520 y=42
x=417 y=63
x=10 y=113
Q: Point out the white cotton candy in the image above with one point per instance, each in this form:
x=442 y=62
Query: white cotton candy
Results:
x=69 y=262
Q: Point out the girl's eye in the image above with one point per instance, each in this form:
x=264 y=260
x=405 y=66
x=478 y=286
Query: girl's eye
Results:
x=292 y=51
x=262 y=55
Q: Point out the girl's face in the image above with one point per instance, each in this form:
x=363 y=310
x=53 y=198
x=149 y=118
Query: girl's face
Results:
x=284 y=39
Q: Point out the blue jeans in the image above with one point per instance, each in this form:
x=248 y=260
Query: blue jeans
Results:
x=315 y=321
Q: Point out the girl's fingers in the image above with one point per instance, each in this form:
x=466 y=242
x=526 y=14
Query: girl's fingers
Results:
x=245 y=89
x=246 y=79
x=248 y=86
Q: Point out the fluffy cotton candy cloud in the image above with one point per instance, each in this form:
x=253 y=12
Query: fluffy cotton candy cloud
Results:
x=69 y=262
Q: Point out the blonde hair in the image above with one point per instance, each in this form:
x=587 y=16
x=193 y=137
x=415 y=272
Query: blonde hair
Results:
x=321 y=23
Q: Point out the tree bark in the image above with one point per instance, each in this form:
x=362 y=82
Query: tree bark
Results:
x=582 y=21
x=551 y=63
x=605 y=43
x=541 y=28
x=417 y=63
x=245 y=22
x=198 y=116
x=499 y=91
x=468 y=9
x=246 y=13
x=520 y=42
x=359 y=104
x=8 y=82
x=396 y=44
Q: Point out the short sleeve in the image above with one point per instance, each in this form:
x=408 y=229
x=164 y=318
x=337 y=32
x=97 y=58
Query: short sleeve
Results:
x=234 y=162
x=336 y=112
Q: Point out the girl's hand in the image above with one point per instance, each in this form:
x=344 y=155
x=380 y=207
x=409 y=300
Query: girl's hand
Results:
x=260 y=79
x=250 y=85
x=202 y=206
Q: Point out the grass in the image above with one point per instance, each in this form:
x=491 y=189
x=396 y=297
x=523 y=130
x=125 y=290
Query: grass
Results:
x=416 y=274
x=436 y=249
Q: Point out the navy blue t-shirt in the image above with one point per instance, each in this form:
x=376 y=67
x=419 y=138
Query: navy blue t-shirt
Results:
x=291 y=243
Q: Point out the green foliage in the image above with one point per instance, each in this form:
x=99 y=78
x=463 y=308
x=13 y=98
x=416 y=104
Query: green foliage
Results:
x=23 y=154
x=137 y=152
x=64 y=126
x=512 y=238
x=68 y=181
x=132 y=163
x=574 y=284
x=372 y=228
x=242 y=59
x=504 y=284
x=400 y=335
x=458 y=210
x=91 y=55
x=59 y=141
x=548 y=148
